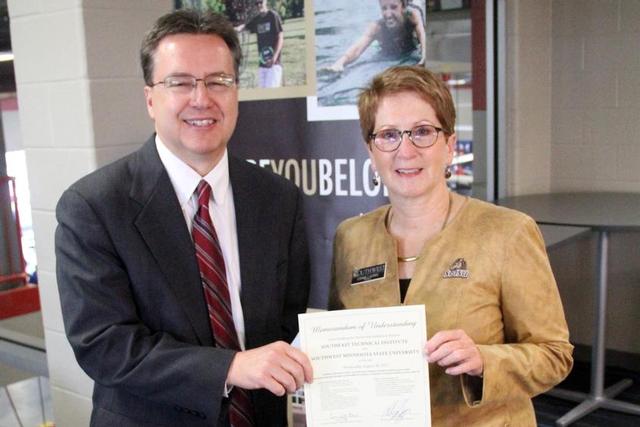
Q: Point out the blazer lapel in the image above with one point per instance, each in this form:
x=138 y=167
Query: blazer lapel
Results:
x=162 y=226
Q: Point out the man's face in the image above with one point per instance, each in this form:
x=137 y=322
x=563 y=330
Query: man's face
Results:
x=392 y=12
x=196 y=125
x=262 y=5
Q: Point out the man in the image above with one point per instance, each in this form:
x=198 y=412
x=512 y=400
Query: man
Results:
x=267 y=25
x=181 y=268
x=398 y=32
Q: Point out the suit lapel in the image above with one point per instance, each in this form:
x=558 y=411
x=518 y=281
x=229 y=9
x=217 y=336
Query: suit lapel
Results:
x=162 y=226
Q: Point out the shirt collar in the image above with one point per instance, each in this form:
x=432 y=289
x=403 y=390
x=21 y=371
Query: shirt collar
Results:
x=185 y=180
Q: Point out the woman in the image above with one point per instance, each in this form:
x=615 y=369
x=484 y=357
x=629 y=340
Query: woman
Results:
x=397 y=32
x=496 y=330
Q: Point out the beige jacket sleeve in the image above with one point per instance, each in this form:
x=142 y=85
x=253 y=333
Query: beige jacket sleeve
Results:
x=536 y=351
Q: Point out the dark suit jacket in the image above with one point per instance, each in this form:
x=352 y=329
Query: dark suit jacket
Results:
x=132 y=299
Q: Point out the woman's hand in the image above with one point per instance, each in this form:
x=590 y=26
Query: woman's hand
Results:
x=456 y=352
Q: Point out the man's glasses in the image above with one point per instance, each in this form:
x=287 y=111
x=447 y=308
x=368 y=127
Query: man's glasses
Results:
x=422 y=136
x=185 y=85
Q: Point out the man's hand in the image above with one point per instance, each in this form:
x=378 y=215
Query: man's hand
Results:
x=456 y=352
x=277 y=367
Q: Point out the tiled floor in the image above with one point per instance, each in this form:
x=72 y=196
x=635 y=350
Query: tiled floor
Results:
x=25 y=400
x=549 y=409
x=9 y=374
x=21 y=344
x=26 y=403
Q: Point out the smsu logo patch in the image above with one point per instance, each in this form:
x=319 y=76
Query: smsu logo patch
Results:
x=457 y=270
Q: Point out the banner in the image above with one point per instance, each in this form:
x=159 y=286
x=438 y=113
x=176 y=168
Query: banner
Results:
x=305 y=62
x=327 y=160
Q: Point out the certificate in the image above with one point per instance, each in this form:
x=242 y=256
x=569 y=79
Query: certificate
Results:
x=368 y=367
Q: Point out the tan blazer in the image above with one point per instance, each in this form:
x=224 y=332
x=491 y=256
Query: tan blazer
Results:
x=487 y=273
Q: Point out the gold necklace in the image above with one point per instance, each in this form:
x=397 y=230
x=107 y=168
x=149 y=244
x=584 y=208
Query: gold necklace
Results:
x=408 y=258
x=444 y=224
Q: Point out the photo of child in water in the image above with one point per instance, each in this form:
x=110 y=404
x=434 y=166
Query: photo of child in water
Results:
x=356 y=40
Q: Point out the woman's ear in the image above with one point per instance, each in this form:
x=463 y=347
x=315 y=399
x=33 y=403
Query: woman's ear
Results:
x=451 y=147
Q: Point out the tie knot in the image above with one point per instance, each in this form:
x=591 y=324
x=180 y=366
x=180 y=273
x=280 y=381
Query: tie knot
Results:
x=204 y=192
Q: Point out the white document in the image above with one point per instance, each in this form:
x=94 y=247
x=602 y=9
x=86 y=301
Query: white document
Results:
x=369 y=368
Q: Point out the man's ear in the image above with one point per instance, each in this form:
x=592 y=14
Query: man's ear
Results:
x=148 y=97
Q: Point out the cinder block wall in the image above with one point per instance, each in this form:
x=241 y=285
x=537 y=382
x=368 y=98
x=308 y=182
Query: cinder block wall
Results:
x=528 y=96
x=573 y=124
x=596 y=95
x=81 y=106
x=595 y=146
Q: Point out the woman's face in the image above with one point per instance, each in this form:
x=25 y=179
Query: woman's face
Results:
x=392 y=12
x=410 y=172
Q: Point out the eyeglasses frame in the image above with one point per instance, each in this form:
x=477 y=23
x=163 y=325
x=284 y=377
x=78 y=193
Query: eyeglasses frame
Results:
x=228 y=81
x=372 y=137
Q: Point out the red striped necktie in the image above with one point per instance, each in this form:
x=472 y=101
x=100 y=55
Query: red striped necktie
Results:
x=216 y=294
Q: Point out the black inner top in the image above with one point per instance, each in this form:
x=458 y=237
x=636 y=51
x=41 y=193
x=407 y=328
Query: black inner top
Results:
x=404 y=286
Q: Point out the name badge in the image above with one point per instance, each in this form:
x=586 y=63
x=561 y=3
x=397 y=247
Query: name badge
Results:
x=368 y=274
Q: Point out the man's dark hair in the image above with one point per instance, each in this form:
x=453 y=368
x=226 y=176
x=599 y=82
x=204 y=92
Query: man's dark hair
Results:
x=188 y=21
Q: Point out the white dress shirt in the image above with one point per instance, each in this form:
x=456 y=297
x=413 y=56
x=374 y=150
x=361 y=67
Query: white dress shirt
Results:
x=223 y=215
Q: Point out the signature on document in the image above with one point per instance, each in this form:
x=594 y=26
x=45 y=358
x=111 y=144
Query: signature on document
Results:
x=397 y=411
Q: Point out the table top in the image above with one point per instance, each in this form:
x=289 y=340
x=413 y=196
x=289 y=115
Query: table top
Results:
x=597 y=210
x=556 y=235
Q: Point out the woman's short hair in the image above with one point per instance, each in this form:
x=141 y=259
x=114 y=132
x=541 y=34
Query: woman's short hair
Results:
x=416 y=79
x=188 y=21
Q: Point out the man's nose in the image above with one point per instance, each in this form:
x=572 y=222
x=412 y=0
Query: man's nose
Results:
x=200 y=95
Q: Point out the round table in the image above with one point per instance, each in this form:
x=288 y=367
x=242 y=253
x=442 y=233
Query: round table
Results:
x=602 y=212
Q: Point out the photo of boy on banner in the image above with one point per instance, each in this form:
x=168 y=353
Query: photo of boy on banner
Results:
x=273 y=35
x=267 y=26
x=357 y=40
